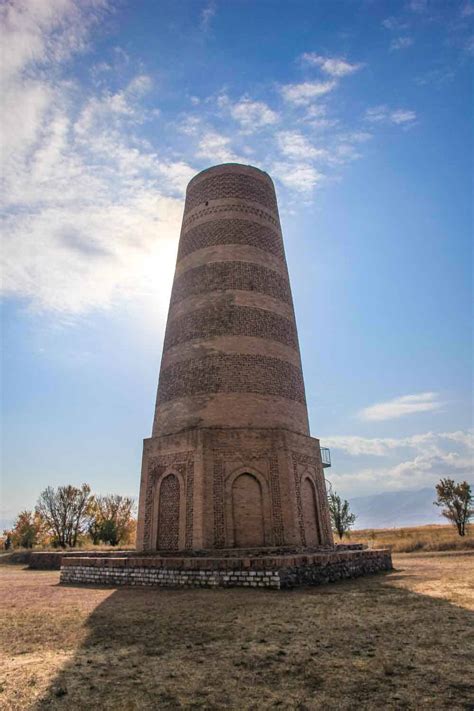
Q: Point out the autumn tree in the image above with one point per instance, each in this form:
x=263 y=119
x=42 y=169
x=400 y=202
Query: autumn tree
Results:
x=26 y=530
x=111 y=519
x=341 y=517
x=457 y=503
x=65 y=512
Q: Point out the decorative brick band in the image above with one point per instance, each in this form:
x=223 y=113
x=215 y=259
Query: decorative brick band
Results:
x=231 y=185
x=221 y=276
x=231 y=373
x=214 y=211
x=230 y=231
x=230 y=320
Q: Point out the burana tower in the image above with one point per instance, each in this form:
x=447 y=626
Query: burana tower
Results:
x=231 y=463
x=232 y=489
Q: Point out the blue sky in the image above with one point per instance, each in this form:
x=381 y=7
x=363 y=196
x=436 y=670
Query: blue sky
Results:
x=360 y=111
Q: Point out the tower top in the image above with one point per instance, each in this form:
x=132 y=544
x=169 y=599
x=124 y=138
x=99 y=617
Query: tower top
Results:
x=222 y=168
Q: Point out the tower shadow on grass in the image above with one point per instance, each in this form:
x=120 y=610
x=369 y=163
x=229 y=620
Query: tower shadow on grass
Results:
x=368 y=642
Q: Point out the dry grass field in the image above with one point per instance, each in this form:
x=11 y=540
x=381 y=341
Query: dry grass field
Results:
x=392 y=641
x=418 y=538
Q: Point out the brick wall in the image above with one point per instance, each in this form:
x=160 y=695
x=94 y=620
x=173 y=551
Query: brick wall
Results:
x=277 y=572
x=231 y=185
x=231 y=373
x=225 y=276
x=230 y=320
x=230 y=231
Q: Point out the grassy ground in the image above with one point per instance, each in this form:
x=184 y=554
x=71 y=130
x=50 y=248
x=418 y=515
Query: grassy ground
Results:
x=392 y=641
x=419 y=538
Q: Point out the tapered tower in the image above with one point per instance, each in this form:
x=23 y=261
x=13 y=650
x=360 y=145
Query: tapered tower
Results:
x=230 y=463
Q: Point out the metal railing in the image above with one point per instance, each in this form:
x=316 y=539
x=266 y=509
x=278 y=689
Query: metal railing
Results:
x=326 y=457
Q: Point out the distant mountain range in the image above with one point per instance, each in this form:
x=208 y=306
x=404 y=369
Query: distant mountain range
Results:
x=396 y=508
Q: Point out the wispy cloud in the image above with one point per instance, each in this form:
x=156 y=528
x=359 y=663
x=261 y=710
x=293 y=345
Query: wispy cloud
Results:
x=216 y=147
x=304 y=93
x=467 y=10
x=399 y=43
x=294 y=145
x=207 y=14
x=301 y=177
x=333 y=66
x=383 y=446
x=403 y=116
x=418 y=6
x=251 y=115
x=90 y=210
x=401 y=406
x=383 y=114
x=394 y=24
x=411 y=462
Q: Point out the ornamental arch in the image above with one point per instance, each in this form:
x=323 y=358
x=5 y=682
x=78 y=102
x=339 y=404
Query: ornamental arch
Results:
x=248 y=514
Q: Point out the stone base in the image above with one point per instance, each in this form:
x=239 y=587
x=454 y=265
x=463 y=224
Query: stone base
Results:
x=286 y=571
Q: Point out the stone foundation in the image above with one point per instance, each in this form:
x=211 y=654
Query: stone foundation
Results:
x=262 y=572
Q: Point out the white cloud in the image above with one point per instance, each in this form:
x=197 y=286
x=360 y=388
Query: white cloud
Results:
x=91 y=212
x=43 y=32
x=301 y=177
x=401 y=406
x=393 y=23
x=252 y=115
x=334 y=67
x=207 y=14
x=190 y=125
x=382 y=114
x=217 y=148
x=383 y=446
x=467 y=10
x=401 y=43
x=402 y=116
x=294 y=145
x=304 y=93
x=433 y=455
x=418 y=5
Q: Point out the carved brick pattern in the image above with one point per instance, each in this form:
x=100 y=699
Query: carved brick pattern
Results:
x=182 y=463
x=246 y=457
x=218 y=501
x=231 y=373
x=231 y=185
x=168 y=518
x=217 y=210
x=299 y=503
x=189 y=505
x=323 y=511
x=230 y=231
x=230 y=320
x=221 y=276
x=277 y=513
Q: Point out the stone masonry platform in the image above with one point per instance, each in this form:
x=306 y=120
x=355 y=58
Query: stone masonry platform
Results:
x=277 y=572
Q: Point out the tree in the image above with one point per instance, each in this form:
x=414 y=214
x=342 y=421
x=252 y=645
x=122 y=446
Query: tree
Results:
x=457 y=500
x=26 y=529
x=341 y=518
x=111 y=519
x=65 y=512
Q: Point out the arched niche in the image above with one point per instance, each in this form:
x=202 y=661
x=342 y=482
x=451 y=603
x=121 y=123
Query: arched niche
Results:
x=309 y=505
x=248 y=515
x=169 y=512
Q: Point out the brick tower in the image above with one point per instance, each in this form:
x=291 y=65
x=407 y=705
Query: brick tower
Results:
x=230 y=463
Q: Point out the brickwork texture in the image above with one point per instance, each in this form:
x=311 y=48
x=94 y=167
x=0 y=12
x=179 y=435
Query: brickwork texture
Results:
x=230 y=463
